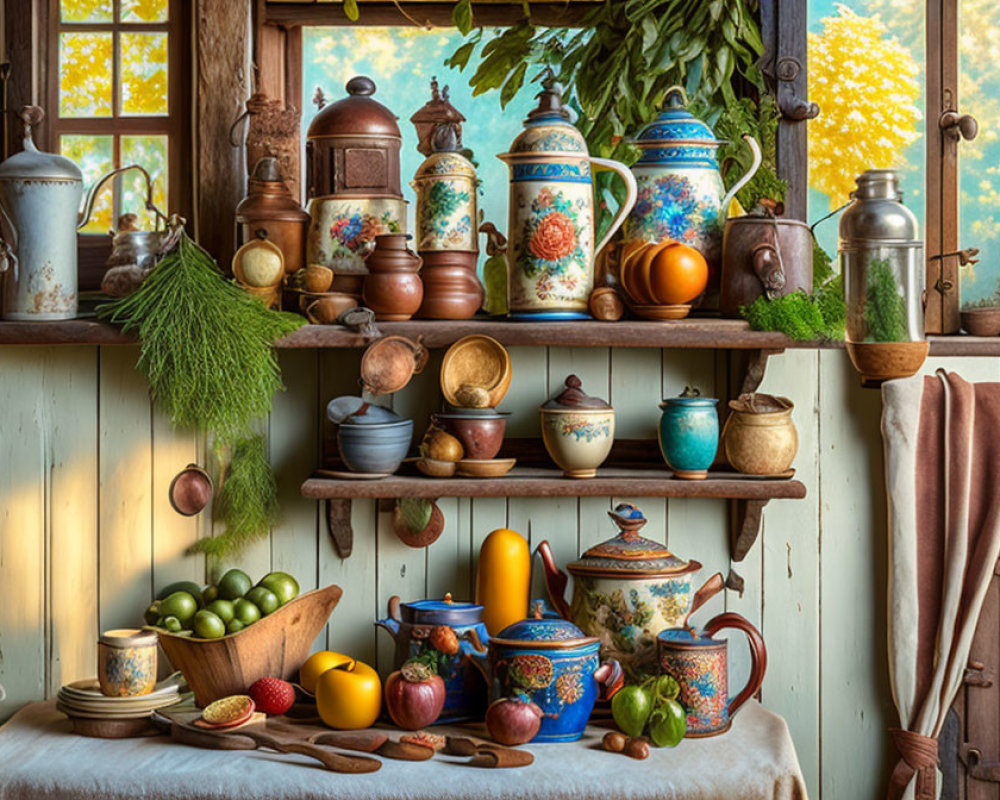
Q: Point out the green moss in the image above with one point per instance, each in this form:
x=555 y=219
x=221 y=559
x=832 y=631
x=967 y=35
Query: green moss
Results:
x=885 y=309
x=799 y=315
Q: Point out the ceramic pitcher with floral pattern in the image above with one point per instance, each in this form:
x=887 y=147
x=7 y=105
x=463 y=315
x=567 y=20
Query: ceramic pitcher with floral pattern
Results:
x=551 y=220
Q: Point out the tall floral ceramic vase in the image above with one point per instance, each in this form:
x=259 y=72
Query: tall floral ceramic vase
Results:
x=681 y=195
x=551 y=220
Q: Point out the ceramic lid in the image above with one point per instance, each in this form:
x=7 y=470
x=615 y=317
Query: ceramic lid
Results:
x=690 y=398
x=129 y=637
x=447 y=159
x=549 y=126
x=687 y=637
x=355 y=115
x=350 y=410
x=573 y=398
x=33 y=164
x=543 y=632
x=675 y=124
x=758 y=403
x=629 y=553
x=441 y=612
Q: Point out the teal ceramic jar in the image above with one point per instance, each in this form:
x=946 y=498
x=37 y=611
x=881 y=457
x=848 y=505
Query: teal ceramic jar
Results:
x=689 y=433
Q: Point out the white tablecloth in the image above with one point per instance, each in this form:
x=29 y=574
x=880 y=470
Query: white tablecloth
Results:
x=40 y=760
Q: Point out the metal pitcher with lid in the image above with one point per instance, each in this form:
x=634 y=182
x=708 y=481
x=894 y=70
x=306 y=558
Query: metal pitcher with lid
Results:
x=551 y=222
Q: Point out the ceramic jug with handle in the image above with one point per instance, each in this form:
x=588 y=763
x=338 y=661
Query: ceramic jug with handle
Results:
x=700 y=665
x=681 y=195
x=551 y=220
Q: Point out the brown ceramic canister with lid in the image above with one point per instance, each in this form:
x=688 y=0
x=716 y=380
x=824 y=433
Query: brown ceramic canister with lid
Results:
x=578 y=430
x=269 y=211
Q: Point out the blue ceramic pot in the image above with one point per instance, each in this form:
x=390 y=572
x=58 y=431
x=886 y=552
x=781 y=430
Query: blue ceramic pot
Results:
x=689 y=434
x=410 y=625
x=555 y=665
x=375 y=448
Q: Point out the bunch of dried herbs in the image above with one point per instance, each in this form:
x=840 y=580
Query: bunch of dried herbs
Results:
x=206 y=347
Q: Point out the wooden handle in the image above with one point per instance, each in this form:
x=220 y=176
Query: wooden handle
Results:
x=758 y=654
x=332 y=761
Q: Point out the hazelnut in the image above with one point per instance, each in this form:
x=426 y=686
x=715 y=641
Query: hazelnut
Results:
x=637 y=747
x=614 y=741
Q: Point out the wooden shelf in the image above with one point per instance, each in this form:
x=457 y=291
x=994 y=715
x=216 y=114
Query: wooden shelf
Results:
x=549 y=482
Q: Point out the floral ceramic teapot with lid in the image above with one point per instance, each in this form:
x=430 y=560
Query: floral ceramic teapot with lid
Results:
x=681 y=195
x=551 y=220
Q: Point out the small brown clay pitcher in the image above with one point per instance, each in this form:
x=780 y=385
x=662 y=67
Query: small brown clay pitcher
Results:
x=700 y=665
x=392 y=288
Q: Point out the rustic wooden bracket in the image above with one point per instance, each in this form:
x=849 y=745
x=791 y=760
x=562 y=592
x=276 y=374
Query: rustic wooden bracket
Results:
x=754 y=368
x=744 y=526
x=338 y=523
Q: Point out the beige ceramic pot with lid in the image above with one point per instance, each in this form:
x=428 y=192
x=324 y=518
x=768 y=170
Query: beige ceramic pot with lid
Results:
x=759 y=436
x=578 y=430
x=626 y=590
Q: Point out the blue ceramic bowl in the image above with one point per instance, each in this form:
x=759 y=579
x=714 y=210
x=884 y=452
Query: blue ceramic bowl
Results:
x=375 y=448
x=689 y=435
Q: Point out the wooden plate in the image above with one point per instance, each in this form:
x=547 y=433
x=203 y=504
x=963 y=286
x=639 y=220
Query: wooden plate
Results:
x=662 y=312
x=485 y=467
x=476 y=361
x=347 y=475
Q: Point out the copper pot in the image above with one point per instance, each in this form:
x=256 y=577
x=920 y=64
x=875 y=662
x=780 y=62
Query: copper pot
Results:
x=270 y=208
x=451 y=288
x=763 y=255
x=392 y=288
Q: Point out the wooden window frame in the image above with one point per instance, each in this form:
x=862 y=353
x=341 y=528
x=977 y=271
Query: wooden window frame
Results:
x=94 y=248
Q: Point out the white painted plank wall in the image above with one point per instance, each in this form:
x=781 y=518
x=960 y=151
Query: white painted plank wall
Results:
x=86 y=532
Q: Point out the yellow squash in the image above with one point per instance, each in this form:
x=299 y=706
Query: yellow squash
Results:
x=503 y=579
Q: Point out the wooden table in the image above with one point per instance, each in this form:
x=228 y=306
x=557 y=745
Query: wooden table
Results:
x=40 y=758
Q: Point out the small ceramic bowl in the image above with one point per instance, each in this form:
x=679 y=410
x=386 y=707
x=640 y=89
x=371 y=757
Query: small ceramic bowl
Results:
x=481 y=436
x=578 y=440
x=375 y=448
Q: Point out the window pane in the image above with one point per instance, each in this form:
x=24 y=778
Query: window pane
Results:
x=144 y=10
x=866 y=71
x=979 y=160
x=85 y=74
x=143 y=74
x=86 y=11
x=94 y=156
x=402 y=60
x=149 y=152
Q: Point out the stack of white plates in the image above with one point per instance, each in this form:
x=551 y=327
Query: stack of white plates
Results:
x=83 y=699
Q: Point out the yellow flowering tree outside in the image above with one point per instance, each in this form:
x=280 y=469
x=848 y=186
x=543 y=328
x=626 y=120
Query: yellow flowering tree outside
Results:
x=866 y=85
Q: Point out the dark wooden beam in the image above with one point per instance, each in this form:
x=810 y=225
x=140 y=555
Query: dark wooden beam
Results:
x=558 y=13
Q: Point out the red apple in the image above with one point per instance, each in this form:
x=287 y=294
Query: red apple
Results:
x=414 y=696
x=513 y=720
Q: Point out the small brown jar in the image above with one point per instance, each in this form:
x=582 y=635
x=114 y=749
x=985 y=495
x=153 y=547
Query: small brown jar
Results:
x=392 y=288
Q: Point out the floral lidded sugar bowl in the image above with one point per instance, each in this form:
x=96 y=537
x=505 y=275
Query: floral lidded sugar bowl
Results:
x=552 y=224
x=577 y=430
x=552 y=663
x=681 y=195
x=626 y=590
x=423 y=626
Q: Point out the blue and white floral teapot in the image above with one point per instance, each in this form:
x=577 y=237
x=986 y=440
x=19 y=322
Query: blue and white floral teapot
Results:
x=551 y=222
x=680 y=191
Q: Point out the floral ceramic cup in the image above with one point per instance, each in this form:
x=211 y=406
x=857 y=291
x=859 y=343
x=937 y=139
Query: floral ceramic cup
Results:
x=126 y=662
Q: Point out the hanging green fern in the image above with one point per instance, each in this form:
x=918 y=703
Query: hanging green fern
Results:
x=206 y=347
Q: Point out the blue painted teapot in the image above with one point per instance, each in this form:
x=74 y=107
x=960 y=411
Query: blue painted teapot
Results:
x=680 y=192
x=555 y=665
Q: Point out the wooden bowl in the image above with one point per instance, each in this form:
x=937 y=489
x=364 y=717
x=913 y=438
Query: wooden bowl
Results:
x=276 y=645
x=486 y=467
x=662 y=312
x=436 y=468
x=884 y=361
x=476 y=361
x=981 y=321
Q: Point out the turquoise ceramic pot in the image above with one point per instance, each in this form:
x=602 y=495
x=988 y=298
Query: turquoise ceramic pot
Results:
x=689 y=434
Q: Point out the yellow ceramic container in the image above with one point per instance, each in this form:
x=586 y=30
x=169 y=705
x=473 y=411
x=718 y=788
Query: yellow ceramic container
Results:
x=126 y=662
x=760 y=437
x=578 y=430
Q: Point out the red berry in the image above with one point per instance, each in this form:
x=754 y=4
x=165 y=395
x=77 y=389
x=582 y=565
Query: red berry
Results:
x=272 y=695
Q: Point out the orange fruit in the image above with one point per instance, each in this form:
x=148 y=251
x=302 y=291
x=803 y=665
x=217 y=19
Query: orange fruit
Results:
x=677 y=273
x=349 y=696
x=317 y=664
x=632 y=255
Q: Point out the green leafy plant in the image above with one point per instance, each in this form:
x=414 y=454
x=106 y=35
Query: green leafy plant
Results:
x=885 y=309
x=801 y=316
x=206 y=347
x=619 y=64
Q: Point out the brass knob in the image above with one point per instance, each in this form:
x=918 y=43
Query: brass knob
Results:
x=958 y=125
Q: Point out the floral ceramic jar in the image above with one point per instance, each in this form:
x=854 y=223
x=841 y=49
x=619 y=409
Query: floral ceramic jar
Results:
x=555 y=665
x=626 y=590
x=577 y=430
x=680 y=193
x=126 y=662
x=551 y=220
x=689 y=434
x=416 y=627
